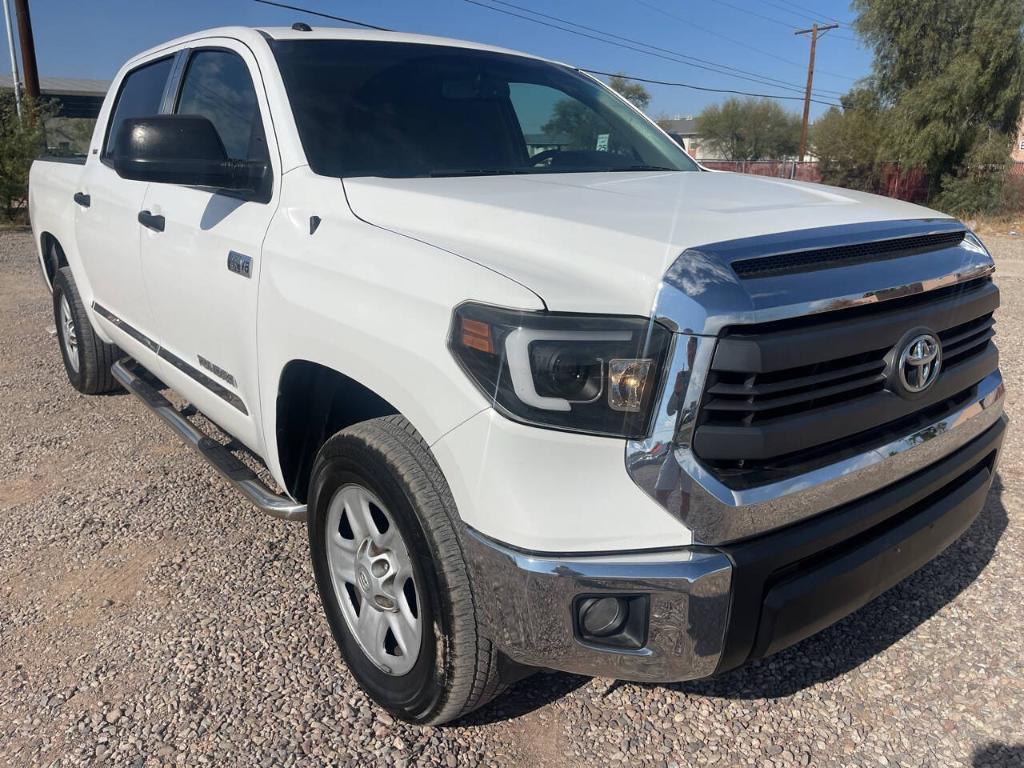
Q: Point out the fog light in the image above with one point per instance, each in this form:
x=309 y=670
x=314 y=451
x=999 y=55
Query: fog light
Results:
x=603 y=616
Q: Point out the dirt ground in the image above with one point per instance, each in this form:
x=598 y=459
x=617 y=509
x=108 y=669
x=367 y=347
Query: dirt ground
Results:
x=148 y=616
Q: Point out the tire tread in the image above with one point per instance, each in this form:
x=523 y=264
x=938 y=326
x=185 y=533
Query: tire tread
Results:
x=94 y=375
x=473 y=660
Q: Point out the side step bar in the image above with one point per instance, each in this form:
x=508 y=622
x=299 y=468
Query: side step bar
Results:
x=243 y=478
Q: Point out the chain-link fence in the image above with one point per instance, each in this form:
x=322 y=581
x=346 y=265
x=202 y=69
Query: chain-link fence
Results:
x=904 y=184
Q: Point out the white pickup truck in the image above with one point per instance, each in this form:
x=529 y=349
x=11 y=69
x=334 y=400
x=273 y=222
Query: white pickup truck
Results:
x=545 y=391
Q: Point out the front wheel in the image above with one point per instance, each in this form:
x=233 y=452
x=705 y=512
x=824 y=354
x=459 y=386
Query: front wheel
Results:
x=391 y=576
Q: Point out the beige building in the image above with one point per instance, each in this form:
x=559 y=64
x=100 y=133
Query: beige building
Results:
x=1018 y=145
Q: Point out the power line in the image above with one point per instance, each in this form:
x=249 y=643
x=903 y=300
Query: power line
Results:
x=814 y=15
x=752 y=76
x=777 y=21
x=699 y=87
x=784 y=9
x=749 y=47
x=631 y=44
x=755 y=13
x=591 y=71
x=806 y=14
x=323 y=15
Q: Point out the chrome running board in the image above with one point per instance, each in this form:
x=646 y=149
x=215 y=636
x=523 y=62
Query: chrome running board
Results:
x=243 y=478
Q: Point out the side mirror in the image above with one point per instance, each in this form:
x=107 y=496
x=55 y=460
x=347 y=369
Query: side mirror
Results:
x=182 y=149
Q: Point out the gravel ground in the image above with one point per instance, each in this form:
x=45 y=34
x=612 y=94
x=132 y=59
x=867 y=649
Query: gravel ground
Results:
x=149 y=617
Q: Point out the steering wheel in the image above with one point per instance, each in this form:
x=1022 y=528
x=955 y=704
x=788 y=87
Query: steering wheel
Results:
x=547 y=154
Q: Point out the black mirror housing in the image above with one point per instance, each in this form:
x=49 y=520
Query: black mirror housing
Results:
x=183 y=149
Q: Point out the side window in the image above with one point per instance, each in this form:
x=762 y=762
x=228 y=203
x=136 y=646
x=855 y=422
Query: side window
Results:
x=217 y=86
x=140 y=96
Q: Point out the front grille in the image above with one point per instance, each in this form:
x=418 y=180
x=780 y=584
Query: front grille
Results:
x=741 y=398
x=966 y=340
x=784 y=397
x=844 y=255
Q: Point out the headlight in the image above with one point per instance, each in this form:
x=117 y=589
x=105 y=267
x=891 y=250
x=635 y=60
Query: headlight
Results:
x=585 y=373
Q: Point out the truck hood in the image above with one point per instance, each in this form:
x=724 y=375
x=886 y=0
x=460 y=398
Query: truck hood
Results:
x=601 y=242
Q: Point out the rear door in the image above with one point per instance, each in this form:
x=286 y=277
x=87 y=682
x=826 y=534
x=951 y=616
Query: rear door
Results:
x=202 y=270
x=106 y=218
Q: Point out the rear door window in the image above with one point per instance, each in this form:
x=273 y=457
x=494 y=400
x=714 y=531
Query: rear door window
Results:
x=141 y=93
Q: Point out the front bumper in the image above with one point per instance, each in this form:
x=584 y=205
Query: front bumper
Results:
x=712 y=608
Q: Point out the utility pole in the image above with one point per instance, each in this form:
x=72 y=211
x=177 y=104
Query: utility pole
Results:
x=15 y=80
x=28 y=50
x=814 y=31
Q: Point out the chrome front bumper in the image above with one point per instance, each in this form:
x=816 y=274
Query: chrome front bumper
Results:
x=524 y=602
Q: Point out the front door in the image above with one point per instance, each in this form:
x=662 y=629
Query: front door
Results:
x=202 y=269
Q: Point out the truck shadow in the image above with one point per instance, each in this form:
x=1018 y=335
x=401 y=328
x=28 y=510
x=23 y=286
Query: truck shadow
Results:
x=522 y=698
x=829 y=654
x=996 y=755
x=872 y=629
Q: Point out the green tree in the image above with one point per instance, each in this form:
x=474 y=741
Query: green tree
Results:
x=21 y=141
x=581 y=125
x=634 y=93
x=848 y=142
x=576 y=122
x=750 y=129
x=76 y=132
x=952 y=72
x=981 y=185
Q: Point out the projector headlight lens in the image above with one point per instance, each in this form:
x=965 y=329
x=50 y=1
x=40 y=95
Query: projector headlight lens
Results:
x=585 y=373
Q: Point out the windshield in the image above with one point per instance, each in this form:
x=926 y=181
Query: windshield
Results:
x=369 y=108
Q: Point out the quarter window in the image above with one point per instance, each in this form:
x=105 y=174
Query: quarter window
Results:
x=217 y=86
x=140 y=96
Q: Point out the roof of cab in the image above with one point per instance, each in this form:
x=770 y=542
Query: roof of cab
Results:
x=253 y=34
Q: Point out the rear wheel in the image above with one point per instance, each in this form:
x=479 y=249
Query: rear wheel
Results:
x=87 y=358
x=391 y=575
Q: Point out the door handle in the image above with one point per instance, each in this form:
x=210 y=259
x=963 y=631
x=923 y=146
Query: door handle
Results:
x=83 y=199
x=148 y=220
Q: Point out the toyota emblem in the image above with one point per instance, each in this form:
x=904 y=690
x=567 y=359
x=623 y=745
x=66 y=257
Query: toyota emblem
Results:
x=919 y=363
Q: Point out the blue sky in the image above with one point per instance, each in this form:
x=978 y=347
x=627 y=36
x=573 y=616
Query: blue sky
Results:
x=91 y=39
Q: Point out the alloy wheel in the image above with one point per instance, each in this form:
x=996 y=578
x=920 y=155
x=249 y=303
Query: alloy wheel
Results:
x=373 y=579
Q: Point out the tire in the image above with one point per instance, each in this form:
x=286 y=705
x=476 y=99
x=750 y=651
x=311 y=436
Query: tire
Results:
x=385 y=462
x=87 y=358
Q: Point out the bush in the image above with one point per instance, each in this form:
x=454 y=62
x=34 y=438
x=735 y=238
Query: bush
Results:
x=982 y=186
x=21 y=141
x=1014 y=195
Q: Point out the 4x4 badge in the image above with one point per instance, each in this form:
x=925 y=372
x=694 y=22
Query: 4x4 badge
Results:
x=239 y=263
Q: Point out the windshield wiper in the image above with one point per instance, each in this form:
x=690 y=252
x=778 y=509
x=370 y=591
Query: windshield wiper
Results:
x=441 y=172
x=640 y=168
x=476 y=172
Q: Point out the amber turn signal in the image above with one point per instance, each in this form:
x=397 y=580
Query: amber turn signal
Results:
x=477 y=335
